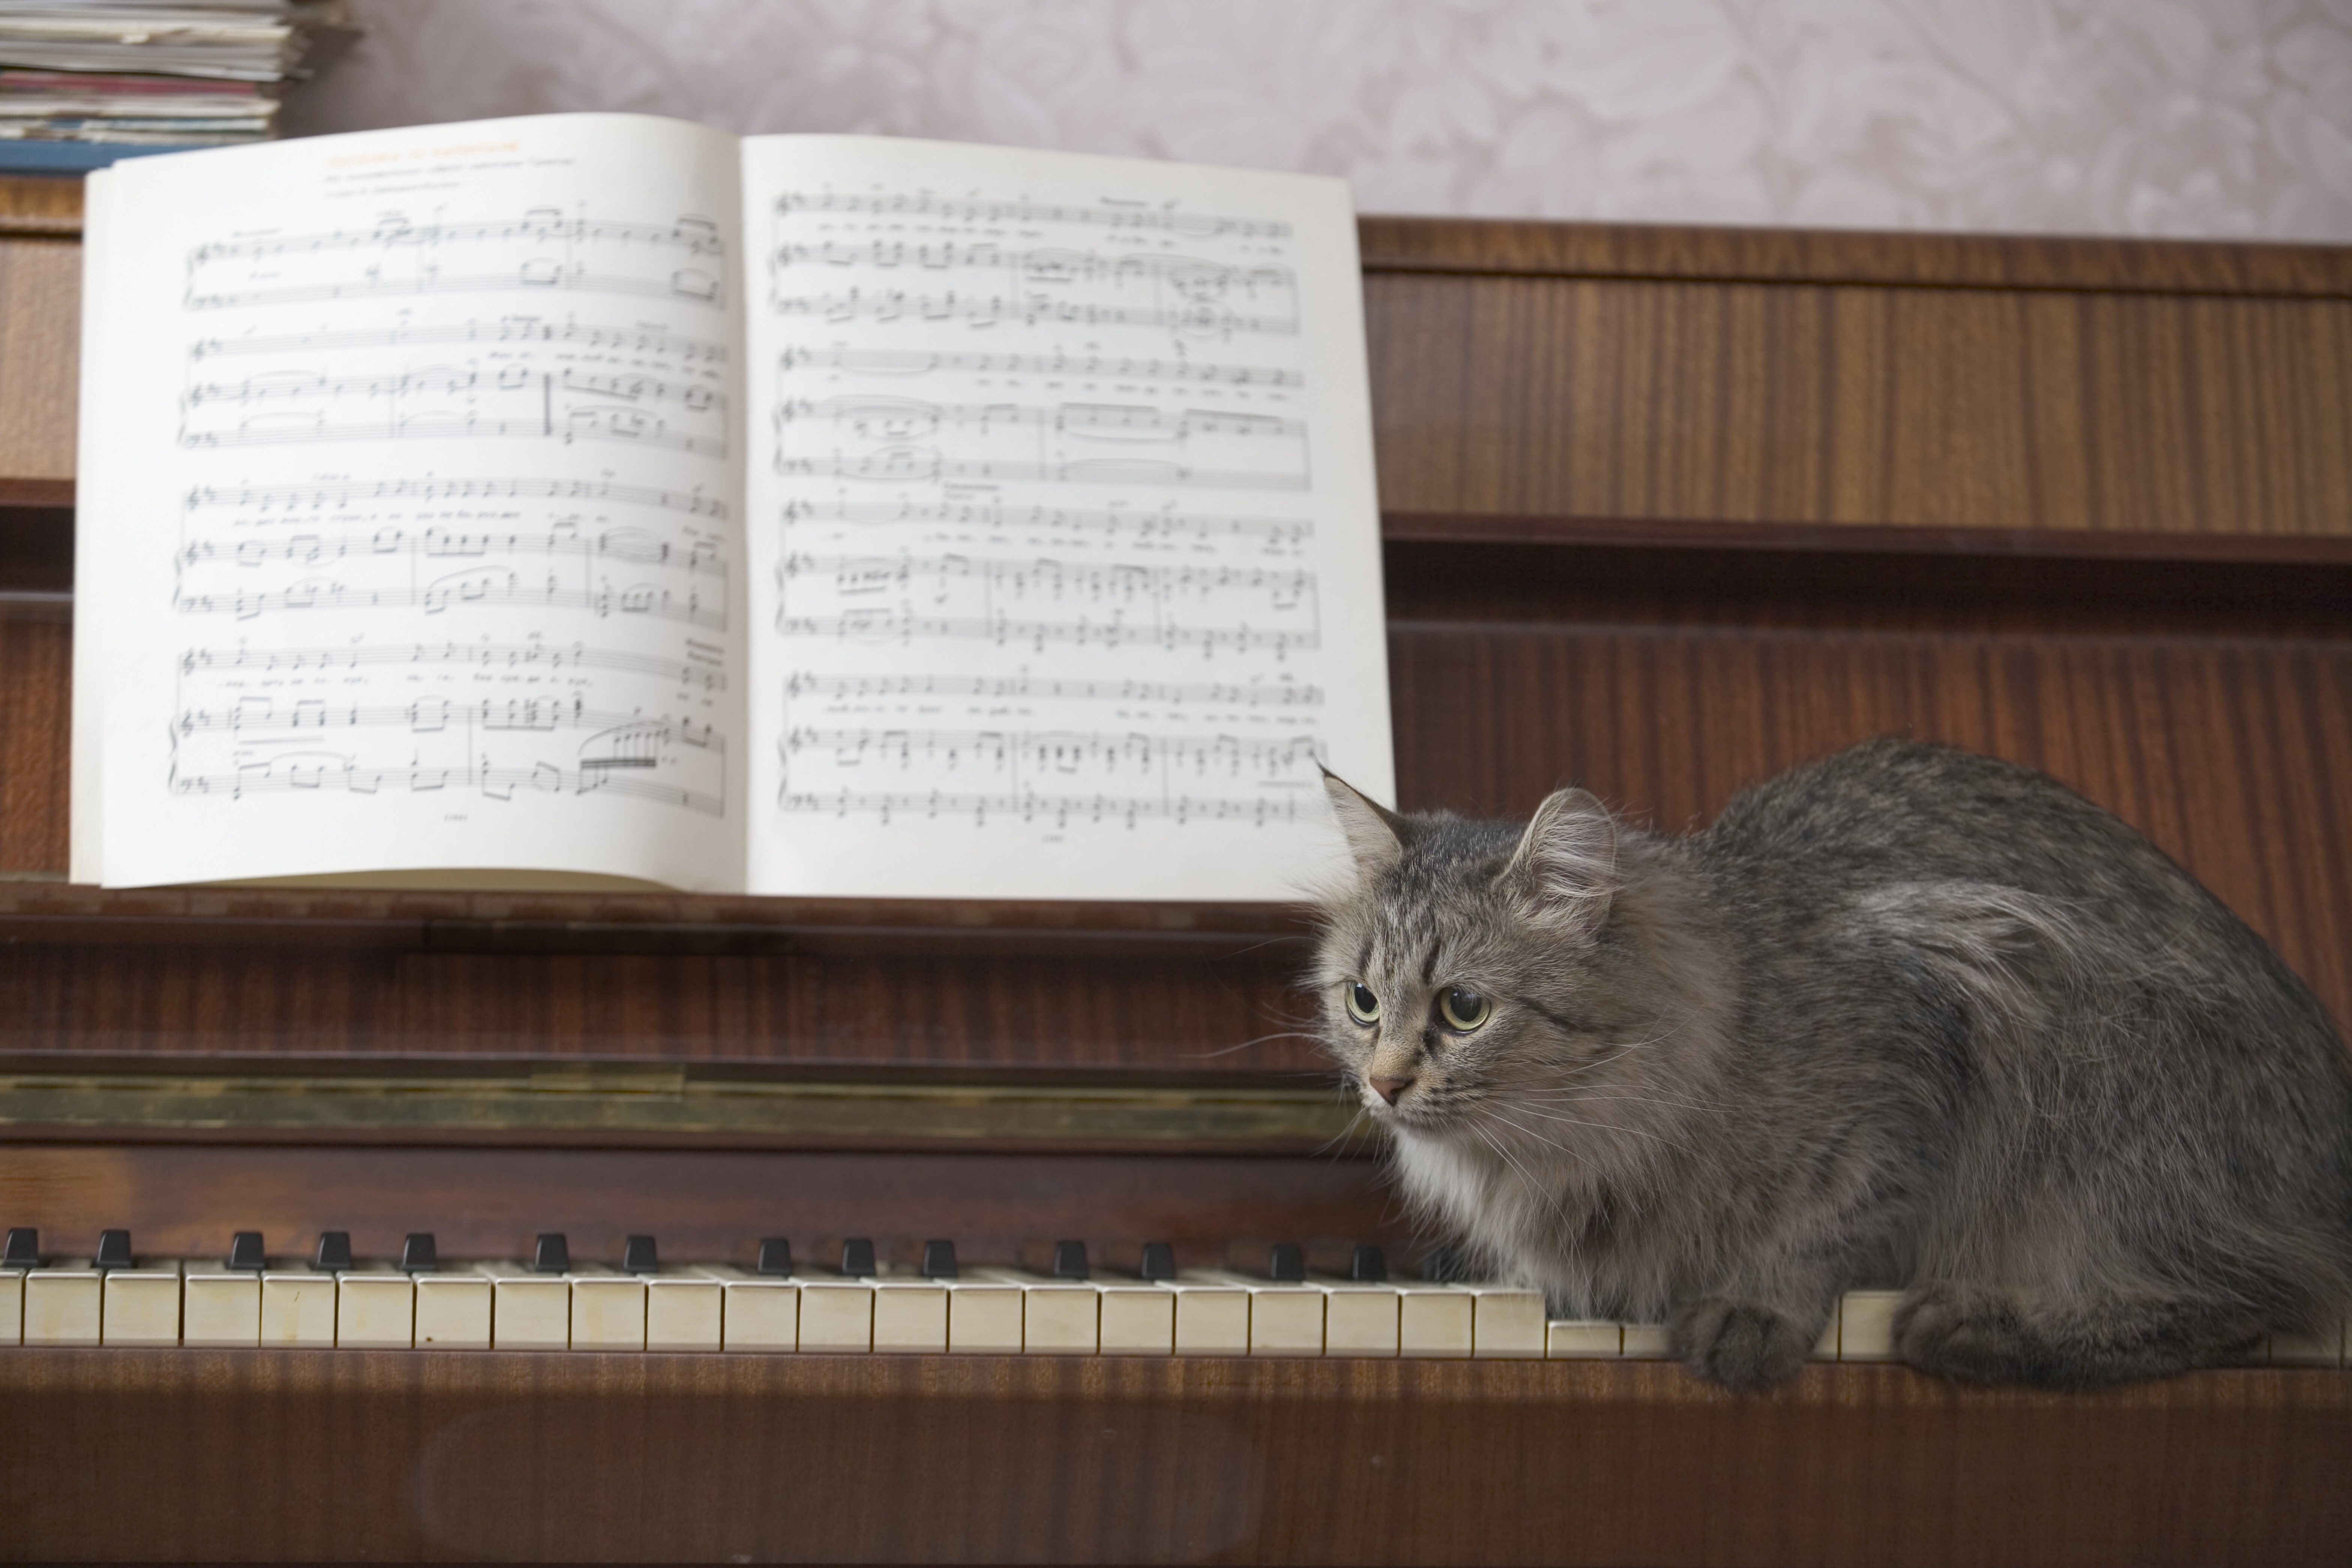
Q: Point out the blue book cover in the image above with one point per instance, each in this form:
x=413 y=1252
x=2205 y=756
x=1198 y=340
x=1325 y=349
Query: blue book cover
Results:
x=22 y=156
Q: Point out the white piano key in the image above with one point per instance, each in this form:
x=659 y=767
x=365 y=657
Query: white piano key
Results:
x=12 y=1306
x=454 y=1310
x=758 y=1312
x=1058 y=1317
x=375 y=1309
x=1360 y=1318
x=608 y=1310
x=142 y=1305
x=1139 y=1318
x=1866 y=1325
x=836 y=1314
x=298 y=1306
x=1583 y=1339
x=1648 y=1341
x=528 y=1312
x=685 y=1310
x=220 y=1306
x=1211 y=1319
x=1434 y=1319
x=1286 y=1318
x=1506 y=1322
x=1826 y=1347
x=983 y=1317
x=64 y=1302
x=2324 y=1348
x=910 y=1315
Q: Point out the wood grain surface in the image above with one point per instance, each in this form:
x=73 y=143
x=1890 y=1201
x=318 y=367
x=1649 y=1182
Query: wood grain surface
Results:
x=704 y=1206
x=40 y=208
x=1802 y=402
x=1906 y=260
x=40 y=354
x=2208 y=703
x=491 y=1456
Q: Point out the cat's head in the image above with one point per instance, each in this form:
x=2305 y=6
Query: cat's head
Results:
x=1476 y=976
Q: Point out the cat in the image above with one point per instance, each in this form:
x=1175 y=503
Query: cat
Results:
x=1906 y=1018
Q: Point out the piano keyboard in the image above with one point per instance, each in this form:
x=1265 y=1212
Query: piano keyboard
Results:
x=550 y=1303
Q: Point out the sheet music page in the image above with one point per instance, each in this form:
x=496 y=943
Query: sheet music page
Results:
x=1064 y=544
x=412 y=507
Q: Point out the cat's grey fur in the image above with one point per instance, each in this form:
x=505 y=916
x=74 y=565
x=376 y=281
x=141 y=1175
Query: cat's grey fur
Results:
x=1905 y=1018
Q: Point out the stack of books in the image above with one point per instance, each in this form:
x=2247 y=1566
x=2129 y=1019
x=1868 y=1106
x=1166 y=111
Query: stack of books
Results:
x=83 y=85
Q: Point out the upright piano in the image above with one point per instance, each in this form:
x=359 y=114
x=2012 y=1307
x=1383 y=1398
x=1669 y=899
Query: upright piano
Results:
x=1664 y=511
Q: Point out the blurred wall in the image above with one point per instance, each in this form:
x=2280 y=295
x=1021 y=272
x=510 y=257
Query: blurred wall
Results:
x=2153 y=117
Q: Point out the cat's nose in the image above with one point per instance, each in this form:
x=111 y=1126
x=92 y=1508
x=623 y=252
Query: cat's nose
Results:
x=1387 y=1089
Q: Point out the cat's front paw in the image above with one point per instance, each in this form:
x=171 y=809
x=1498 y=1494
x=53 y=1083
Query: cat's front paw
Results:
x=1966 y=1331
x=1740 y=1345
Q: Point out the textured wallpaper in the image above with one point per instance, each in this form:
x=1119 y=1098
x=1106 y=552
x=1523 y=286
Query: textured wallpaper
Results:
x=2153 y=117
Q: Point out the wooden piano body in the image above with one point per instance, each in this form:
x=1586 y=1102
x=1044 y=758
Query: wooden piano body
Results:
x=1665 y=511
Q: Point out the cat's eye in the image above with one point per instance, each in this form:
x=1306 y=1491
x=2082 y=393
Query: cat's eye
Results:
x=1362 y=1005
x=1462 y=1009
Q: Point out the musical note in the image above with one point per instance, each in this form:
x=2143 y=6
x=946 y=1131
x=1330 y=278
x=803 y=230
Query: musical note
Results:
x=1190 y=317
x=1251 y=694
x=695 y=236
x=251 y=719
x=430 y=491
x=486 y=716
x=926 y=362
x=637 y=546
x=336 y=771
x=1046 y=808
x=485 y=656
x=545 y=248
x=456 y=402
x=1190 y=277
x=503 y=329
x=485 y=588
x=1137 y=526
x=1111 y=214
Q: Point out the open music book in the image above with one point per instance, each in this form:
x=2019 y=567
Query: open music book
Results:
x=607 y=496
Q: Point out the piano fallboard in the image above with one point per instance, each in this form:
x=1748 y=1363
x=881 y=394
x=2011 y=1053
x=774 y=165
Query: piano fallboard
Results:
x=496 y=1456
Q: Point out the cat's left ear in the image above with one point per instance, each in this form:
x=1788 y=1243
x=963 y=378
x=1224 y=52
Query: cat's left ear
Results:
x=1375 y=836
x=1564 y=872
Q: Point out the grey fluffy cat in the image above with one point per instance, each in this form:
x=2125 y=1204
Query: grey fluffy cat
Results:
x=1905 y=1018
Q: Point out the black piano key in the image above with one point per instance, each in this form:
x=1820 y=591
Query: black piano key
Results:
x=1369 y=1266
x=552 y=1255
x=418 y=1255
x=1069 y=1260
x=1441 y=1265
x=24 y=1248
x=775 y=1257
x=1287 y=1265
x=334 y=1253
x=245 y=1251
x=113 y=1249
x=938 y=1260
x=858 y=1258
x=637 y=1255
x=1159 y=1261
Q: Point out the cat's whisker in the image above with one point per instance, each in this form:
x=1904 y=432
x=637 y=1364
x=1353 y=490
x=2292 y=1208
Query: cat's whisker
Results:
x=1247 y=1045
x=1502 y=1112
x=1550 y=1199
x=1590 y=1099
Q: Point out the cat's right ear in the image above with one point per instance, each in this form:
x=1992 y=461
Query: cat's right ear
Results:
x=1375 y=834
x=1564 y=872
